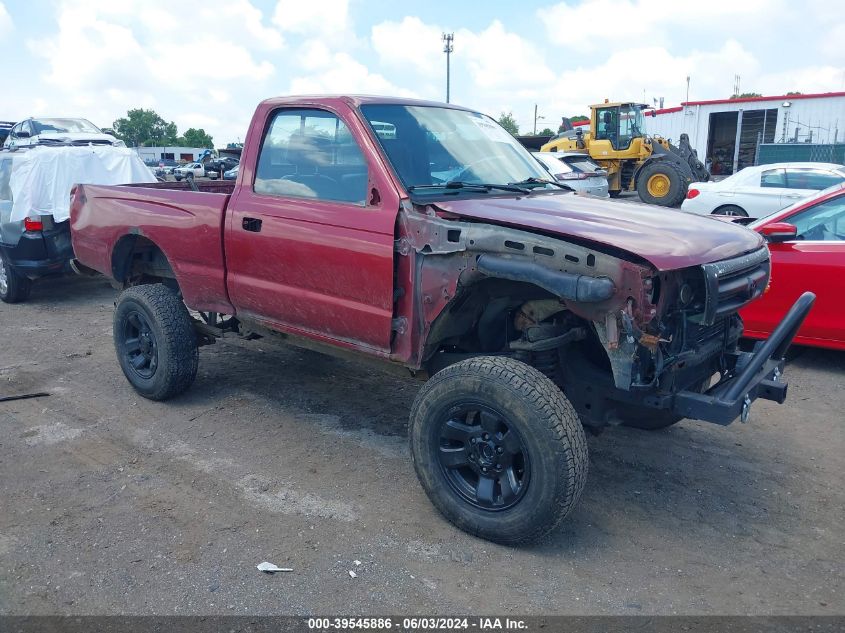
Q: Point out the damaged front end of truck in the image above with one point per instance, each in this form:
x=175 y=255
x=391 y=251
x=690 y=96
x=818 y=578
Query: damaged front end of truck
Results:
x=626 y=342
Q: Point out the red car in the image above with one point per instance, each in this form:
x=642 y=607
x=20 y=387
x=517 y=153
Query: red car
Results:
x=807 y=243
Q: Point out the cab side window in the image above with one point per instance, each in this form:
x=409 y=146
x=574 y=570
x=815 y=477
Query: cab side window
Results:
x=823 y=222
x=309 y=153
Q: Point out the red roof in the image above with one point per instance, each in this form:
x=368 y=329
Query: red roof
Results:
x=663 y=111
x=818 y=95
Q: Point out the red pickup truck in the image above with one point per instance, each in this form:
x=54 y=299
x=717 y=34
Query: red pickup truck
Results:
x=423 y=235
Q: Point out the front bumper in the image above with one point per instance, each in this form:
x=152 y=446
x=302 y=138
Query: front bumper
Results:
x=750 y=375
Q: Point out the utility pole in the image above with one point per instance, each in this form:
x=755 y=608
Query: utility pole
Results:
x=536 y=117
x=448 y=48
x=687 y=101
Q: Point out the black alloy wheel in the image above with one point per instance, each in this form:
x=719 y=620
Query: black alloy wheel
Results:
x=483 y=457
x=140 y=347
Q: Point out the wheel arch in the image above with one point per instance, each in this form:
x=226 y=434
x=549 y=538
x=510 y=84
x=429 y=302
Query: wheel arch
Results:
x=728 y=205
x=137 y=259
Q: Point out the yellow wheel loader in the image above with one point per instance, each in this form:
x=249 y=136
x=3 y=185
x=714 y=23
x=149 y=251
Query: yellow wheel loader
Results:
x=657 y=170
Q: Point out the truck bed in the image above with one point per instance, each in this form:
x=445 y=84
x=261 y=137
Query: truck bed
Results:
x=108 y=222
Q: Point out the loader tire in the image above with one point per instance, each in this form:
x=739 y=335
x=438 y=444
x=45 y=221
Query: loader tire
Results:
x=661 y=183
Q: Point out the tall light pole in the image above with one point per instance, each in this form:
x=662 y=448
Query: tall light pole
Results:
x=447 y=48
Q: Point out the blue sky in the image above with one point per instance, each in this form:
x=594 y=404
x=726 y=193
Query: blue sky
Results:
x=209 y=66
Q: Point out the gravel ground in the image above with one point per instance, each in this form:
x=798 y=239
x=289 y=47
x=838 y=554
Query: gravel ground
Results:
x=113 y=504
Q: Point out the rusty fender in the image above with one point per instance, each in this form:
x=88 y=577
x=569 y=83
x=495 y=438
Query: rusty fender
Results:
x=450 y=254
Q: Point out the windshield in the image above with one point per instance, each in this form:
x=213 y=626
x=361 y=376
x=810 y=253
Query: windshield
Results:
x=429 y=145
x=64 y=125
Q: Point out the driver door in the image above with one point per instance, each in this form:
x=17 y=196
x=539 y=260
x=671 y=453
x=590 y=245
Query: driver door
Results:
x=309 y=244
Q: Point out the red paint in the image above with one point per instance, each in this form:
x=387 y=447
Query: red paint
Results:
x=668 y=239
x=329 y=270
x=818 y=266
x=817 y=95
x=663 y=111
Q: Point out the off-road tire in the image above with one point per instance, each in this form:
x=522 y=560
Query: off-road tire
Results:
x=14 y=287
x=547 y=424
x=677 y=184
x=174 y=336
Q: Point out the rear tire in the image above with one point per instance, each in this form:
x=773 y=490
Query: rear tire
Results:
x=661 y=183
x=732 y=210
x=502 y=415
x=14 y=287
x=155 y=341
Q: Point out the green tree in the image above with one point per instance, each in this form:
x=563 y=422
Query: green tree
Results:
x=507 y=121
x=792 y=94
x=546 y=132
x=195 y=138
x=745 y=95
x=578 y=118
x=145 y=127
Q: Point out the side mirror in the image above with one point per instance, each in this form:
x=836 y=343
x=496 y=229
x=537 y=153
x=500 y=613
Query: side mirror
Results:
x=779 y=232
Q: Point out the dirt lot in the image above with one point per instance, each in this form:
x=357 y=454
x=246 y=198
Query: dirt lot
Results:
x=113 y=504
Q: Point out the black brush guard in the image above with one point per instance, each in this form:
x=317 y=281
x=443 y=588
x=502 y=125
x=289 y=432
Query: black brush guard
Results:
x=756 y=374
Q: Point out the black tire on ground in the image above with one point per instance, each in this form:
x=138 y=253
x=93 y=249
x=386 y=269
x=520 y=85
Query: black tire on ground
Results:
x=668 y=186
x=731 y=209
x=155 y=342
x=615 y=194
x=503 y=415
x=14 y=287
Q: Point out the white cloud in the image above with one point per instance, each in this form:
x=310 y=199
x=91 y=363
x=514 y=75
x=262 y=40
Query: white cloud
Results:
x=599 y=25
x=105 y=58
x=344 y=75
x=409 y=43
x=501 y=59
x=5 y=20
x=316 y=16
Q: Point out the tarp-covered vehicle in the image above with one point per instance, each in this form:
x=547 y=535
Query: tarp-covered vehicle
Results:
x=35 y=188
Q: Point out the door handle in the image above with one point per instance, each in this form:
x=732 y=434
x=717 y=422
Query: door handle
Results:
x=251 y=224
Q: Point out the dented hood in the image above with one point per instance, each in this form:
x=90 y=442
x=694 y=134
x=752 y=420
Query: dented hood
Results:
x=668 y=238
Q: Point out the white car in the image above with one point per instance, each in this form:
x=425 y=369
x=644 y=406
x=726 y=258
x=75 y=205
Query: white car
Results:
x=761 y=190
x=57 y=132
x=575 y=170
x=196 y=170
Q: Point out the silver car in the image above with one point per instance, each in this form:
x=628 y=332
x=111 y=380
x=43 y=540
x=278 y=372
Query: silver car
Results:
x=576 y=171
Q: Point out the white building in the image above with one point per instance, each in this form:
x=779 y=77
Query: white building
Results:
x=156 y=154
x=726 y=132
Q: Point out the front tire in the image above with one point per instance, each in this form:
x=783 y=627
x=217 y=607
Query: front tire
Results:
x=498 y=449
x=155 y=341
x=14 y=287
x=661 y=183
